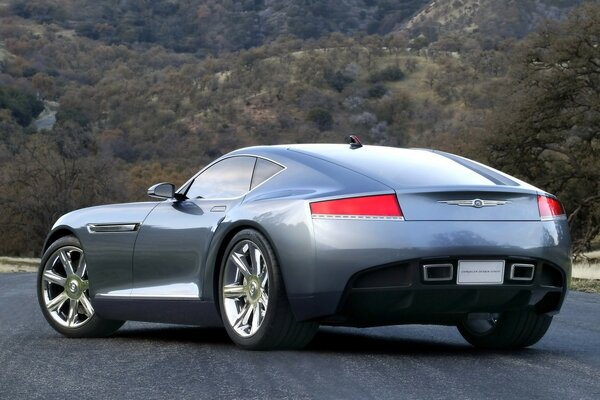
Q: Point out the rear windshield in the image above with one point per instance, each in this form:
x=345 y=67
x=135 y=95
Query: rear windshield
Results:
x=399 y=167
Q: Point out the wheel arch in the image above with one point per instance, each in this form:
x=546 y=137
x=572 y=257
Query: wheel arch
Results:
x=57 y=233
x=215 y=257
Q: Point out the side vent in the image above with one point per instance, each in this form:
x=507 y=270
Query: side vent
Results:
x=551 y=276
x=397 y=275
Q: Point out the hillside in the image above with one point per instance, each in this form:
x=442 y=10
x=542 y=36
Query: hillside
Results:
x=207 y=27
x=454 y=24
x=93 y=110
x=213 y=26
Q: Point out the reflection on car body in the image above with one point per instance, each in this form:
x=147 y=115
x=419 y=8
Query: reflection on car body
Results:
x=273 y=241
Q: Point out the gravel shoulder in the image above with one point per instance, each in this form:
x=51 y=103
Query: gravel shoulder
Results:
x=18 y=264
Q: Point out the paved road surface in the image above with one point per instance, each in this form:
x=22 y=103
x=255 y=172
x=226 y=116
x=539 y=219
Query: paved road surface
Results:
x=151 y=361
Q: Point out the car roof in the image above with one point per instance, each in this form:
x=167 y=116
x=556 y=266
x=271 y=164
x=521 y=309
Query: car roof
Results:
x=397 y=167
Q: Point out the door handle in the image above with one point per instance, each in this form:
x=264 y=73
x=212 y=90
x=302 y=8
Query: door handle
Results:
x=218 y=209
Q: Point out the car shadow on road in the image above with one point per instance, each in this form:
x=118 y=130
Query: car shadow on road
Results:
x=360 y=343
x=182 y=334
x=329 y=340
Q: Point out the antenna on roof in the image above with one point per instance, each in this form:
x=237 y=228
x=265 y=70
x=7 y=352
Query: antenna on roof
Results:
x=354 y=142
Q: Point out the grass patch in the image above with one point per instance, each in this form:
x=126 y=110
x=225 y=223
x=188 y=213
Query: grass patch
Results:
x=585 y=285
x=16 y=264
x=588 y=268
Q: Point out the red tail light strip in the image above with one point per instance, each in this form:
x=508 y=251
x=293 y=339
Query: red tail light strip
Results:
x=550 y=207
x=382 y=207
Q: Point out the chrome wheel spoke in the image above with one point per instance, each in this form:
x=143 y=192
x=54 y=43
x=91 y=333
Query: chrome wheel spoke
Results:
x=82 y=267
x=241 y=264
x=86 y=306
x=66 y=262
x=264 y=299
x=53 y=277
x=73 y=306
x=233 y=291
x=243 y=317
x=256 y=260
x=247 y=316
x=57 y=302
x=265 y=280
x=255 y=319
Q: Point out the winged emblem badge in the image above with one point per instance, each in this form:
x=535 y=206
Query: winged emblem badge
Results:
x=477 y=203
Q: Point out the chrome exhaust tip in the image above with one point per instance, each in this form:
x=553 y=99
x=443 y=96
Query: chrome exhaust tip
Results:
x=522 y=272
x=438 y=272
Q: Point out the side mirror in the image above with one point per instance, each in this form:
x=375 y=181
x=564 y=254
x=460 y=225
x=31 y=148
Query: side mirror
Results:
x=162 y=190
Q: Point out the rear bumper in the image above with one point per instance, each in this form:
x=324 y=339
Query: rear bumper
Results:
x=391 y=254
x=398 y=293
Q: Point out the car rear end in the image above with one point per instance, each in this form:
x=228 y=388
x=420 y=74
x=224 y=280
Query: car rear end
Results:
x=450 y=238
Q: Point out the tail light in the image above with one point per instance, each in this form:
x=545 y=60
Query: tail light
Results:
x=368 y=207
x=550 y=207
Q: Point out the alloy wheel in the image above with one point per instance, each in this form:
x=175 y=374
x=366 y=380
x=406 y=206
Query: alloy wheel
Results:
x=65 y=288
x=245 y=291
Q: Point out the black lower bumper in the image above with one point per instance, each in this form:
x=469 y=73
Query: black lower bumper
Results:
x=398 y=294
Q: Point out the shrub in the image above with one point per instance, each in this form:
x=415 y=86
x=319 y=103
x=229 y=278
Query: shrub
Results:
x=388 y=74
x=365 y=118
x=322 y=118
x=338 y=80
x=353 y=103
x=23 y=106
x=376 y=91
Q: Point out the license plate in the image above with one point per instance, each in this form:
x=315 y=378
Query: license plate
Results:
x=475 y=272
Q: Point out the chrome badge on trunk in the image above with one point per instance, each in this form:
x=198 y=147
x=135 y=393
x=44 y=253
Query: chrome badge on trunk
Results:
x=477 y=203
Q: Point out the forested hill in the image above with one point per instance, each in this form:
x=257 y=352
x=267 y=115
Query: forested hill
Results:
x=462 y=24
x=100 y=99
x=213 y=26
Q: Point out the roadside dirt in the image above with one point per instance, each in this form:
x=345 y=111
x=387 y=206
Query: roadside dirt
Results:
x=16 y=264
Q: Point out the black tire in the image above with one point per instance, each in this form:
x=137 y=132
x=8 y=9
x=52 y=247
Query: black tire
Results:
x=86 y=325
x=279 y=328
x=512 y=330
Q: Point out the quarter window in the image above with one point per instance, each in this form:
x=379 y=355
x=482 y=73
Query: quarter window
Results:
x=228 y=178
x=263 y=170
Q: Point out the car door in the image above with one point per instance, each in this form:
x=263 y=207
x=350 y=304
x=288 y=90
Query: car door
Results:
x=171 y=248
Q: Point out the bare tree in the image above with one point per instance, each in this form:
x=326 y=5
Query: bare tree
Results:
x=50 y=175
x=548 y=129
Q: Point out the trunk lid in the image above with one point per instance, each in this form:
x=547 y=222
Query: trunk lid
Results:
x=469 y=204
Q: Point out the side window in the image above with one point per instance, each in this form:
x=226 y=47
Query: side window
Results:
x=228 y=178
x=264 y=170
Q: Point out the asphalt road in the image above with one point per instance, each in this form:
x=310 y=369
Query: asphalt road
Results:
x=151 y=361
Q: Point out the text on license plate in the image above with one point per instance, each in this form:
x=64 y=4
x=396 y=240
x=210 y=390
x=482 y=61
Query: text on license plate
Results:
x=473 y=272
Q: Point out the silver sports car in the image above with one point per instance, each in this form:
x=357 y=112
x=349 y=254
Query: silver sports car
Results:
x=273 y=241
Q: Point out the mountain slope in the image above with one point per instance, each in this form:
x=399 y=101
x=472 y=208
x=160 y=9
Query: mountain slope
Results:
x=213 y=26
x=489 y=21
